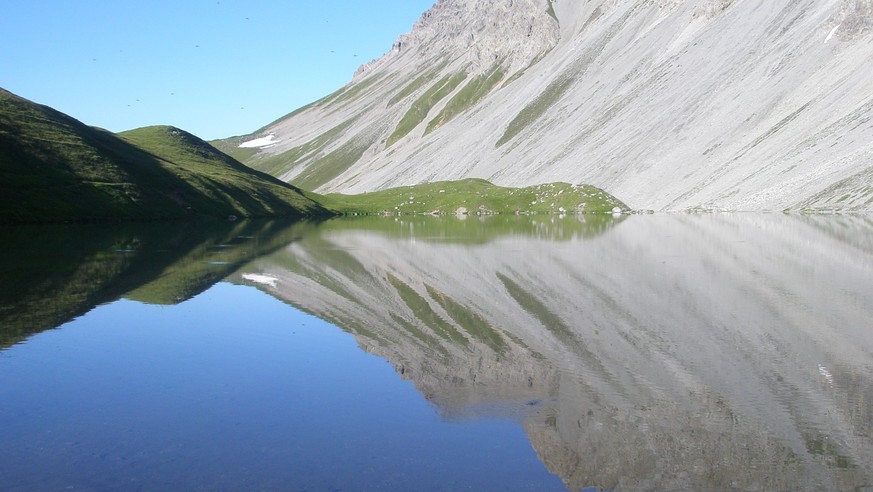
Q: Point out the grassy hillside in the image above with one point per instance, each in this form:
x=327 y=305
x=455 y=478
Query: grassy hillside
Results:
x=55 y=169
x=219 y=177
x=477 y=196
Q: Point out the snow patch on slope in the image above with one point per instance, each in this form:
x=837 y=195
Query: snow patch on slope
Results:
x=260 y=142
x=261 y=279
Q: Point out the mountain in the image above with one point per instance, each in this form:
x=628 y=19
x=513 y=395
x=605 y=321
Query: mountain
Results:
x=668 y=104
x=55 y=168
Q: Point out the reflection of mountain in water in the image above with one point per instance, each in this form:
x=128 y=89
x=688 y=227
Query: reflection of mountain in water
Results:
x=671 y=352
x=52 y=274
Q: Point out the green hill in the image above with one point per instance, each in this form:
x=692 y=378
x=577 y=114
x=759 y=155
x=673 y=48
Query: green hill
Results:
x=477 y=197
x=54 y=168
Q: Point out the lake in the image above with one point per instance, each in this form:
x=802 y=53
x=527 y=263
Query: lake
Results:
x=650 y=352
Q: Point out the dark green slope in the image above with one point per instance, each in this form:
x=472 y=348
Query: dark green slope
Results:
x=54 y=168
x=51 y=274
x=220 y=177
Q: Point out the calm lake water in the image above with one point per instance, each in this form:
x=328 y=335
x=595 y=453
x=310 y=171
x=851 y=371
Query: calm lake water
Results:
x=664 y=352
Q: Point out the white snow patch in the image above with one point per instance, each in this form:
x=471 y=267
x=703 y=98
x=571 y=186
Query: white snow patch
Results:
x=259 y=142
x=260 y=279
x=833 y=31
x=826 y=374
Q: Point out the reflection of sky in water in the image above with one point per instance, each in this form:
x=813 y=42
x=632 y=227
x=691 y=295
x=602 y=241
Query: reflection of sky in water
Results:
x=235 y=390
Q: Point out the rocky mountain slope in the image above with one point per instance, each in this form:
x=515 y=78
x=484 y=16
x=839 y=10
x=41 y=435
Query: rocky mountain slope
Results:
x=667 y=104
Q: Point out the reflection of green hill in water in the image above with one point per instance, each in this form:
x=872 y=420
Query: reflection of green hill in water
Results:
x=479 y=230
x=214 y=257
x=52 y=274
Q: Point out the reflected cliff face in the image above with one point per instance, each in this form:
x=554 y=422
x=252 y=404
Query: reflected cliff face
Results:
x=664 y=352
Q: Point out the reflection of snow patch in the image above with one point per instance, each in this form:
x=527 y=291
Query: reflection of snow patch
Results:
x=827 y=374
x=833 y=31
x=259 y=142
x=260 y=279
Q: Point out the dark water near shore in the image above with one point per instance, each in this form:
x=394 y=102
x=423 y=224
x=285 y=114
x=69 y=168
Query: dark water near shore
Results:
x=712 y=352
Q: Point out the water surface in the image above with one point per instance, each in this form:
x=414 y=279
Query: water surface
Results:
x=655 y=352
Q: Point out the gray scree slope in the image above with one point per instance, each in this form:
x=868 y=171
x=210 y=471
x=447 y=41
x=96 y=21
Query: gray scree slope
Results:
x=668 y=104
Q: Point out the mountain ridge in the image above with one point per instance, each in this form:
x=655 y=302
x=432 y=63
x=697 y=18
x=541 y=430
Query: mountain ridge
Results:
x=669 y=104
x=57 y=169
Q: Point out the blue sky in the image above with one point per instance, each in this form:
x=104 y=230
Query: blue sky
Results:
x=216 y=68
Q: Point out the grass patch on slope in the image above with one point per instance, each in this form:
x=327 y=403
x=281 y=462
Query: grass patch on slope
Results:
x=413 y=86
x=333 y=164
x=422 y=106
x=854 y=194
x=476 y=197
x=467 y=97
x=535 y=109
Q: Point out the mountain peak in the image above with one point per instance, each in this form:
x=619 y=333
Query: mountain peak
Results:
x=511 y=33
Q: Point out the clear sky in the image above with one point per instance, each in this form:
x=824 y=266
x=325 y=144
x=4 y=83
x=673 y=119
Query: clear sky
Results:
x=216 y=68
